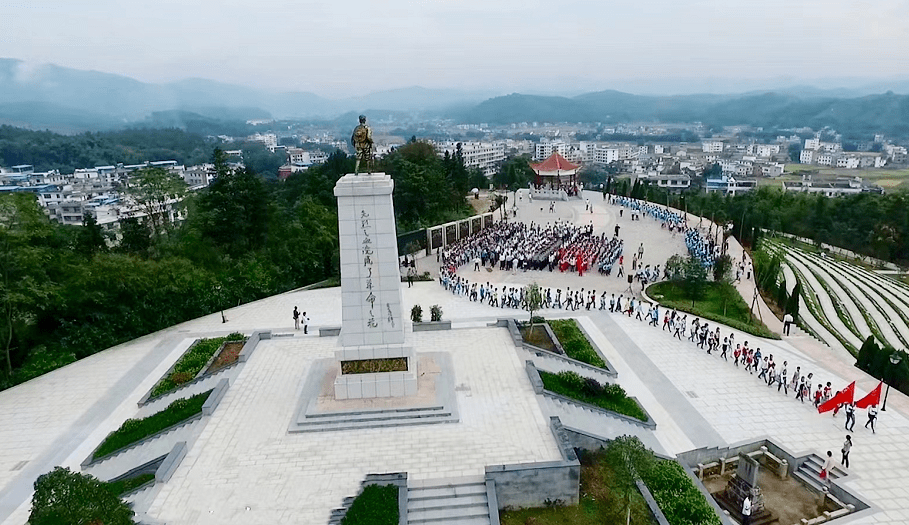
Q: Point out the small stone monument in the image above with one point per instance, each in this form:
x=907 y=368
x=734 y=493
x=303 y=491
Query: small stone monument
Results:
x=372 y=324
x=745 y=483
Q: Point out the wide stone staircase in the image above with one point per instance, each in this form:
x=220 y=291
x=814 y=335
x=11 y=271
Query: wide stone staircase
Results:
x=452 y=501
x=809 y=473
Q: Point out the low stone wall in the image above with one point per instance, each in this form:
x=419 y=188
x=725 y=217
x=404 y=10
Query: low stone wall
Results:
x=534 y=484
x=431 y=326
x=251 y=344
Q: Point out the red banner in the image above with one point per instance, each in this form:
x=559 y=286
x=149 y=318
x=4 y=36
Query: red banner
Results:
x=843 y=396
x=873 y=398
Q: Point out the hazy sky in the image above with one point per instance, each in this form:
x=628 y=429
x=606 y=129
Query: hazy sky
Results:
x=346 y=47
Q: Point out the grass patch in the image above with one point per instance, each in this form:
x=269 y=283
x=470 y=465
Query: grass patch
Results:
x=721 y=303
x=125 y=485
x=575 y=343
x=192 y=362
x=372 y=366
x=133 y=430
x=588 y=390
x=376 y=505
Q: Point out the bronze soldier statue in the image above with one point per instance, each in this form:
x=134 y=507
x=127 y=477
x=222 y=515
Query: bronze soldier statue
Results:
x=362 y=142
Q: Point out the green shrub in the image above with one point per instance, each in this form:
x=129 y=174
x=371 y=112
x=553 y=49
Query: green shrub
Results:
x=192 y=362
x=677 y=496
x=416 y=313
x=133 y=430
x=435 y=313
x=575 y=343
x=611 y=397
x=376 y=505
x=64 y=497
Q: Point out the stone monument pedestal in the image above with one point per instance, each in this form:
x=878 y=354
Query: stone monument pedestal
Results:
x=743 y=484
x=372 y=324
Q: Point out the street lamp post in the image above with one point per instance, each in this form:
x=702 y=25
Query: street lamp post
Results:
x=895 y=359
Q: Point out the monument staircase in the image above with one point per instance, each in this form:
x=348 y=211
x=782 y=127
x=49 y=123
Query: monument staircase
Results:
x=389 y=417
x=809 y=473
x=451 y=501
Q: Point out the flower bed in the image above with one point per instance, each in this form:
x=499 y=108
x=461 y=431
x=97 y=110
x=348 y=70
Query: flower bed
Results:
x=133 y=430
x=537 y=336
x=376 y=505
x=373 y=366
x=575 y=343
x=226 y=357
x=192 y=362
x=588 y=390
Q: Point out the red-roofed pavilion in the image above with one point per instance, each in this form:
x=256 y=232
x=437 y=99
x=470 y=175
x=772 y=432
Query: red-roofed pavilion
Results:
x=556 y=173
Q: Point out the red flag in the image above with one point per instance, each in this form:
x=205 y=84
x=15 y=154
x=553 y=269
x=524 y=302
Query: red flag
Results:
x=843 y=396
x=873 y=398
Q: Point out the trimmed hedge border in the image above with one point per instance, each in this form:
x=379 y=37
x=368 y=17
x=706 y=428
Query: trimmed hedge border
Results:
x=679 y=499
x=567 y=384
x=135 y=430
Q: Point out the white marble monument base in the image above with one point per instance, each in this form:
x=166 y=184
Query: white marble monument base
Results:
x=382 y=384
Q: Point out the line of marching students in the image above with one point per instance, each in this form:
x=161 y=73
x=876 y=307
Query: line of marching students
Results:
x=824 y=398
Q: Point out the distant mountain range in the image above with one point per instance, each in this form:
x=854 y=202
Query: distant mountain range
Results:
x=70 y=100
x=887 y=113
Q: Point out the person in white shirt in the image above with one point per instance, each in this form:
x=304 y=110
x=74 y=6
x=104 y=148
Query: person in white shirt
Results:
x=746 y=511
x=872 y=416
x=787 y=322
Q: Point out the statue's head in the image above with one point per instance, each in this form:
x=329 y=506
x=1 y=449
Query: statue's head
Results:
x=362 y=119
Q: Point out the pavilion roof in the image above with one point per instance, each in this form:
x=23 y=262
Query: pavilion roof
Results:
x=555 y=162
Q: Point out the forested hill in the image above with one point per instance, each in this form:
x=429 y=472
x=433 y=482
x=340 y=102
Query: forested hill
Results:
x=887 y=113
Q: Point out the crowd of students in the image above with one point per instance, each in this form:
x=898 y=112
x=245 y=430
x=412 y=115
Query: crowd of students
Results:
x=515 y=245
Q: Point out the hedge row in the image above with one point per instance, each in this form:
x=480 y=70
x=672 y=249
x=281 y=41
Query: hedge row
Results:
x=610 y=396
x=192 y=362
x=133 y=430
x=677 y=496
x=575 y=343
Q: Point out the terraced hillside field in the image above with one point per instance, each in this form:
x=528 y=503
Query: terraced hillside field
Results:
x=845 y=303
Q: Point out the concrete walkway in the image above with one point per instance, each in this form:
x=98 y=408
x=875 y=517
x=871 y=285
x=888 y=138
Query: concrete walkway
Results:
x=696 y=400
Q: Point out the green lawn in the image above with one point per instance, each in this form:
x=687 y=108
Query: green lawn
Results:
x=721 y=303
x=376 y=505
x=126 y=485
x=575 y=343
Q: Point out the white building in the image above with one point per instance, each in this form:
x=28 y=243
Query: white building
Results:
x=485 y=156
x=712 y=146
x=807 y=156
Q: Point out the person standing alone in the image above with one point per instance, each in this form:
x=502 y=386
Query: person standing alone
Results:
x=787 y=322
x=296 y=318
x=305 y=323
x=746 y=511
x=847 y=446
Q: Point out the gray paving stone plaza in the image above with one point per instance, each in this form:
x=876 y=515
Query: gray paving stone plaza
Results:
x=245 y=468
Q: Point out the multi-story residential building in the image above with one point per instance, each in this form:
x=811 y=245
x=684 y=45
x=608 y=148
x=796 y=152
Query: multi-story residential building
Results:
x=270 y=140
x=712 y=146
x=763 y=150
x=485 y=156
x=847 y=161
x=807 y=156
x=772 y=169
x=826 y=159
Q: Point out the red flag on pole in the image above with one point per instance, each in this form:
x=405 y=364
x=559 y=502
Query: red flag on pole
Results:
x=873 y=398
x=843 y=396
